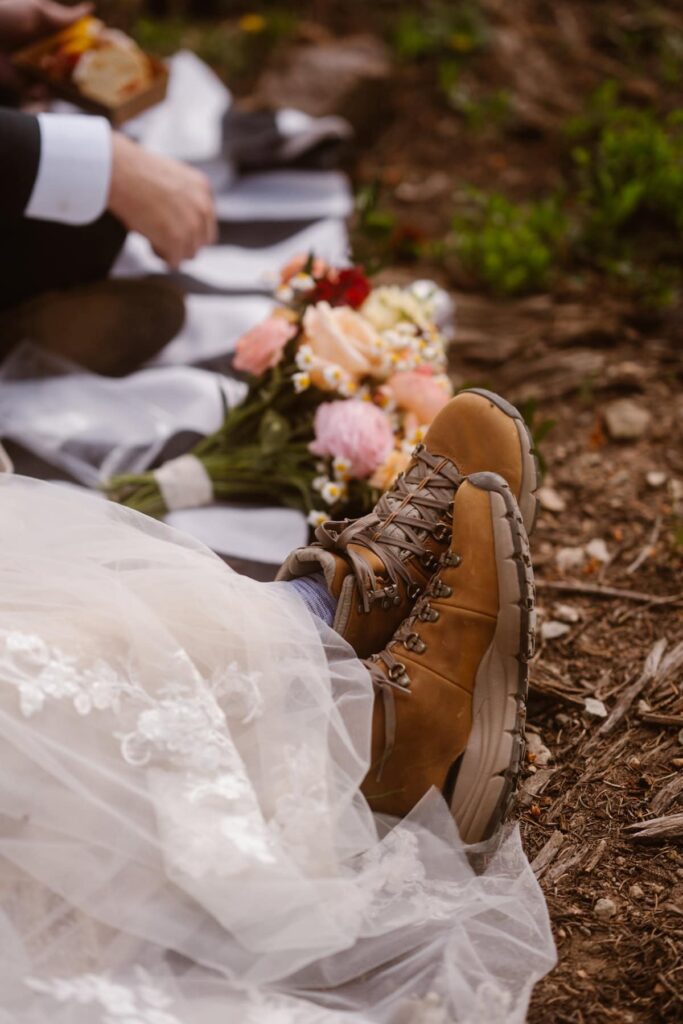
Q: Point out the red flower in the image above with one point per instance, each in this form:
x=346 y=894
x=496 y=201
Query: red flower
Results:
x=348 y=287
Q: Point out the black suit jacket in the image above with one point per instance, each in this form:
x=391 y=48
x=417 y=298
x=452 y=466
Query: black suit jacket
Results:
x=35 y=255
x=19 y=160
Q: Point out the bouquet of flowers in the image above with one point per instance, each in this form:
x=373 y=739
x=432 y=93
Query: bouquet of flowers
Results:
x=344 y=380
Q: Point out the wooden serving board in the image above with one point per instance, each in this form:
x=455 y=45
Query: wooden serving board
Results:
x=27 y=61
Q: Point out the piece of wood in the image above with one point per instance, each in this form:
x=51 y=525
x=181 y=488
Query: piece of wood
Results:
x=595 y=590
x=648 y=550
x=547 y=854
x=670 y=826
x=665 y=796
x=595 y=857
x=655 y=718
x=649 y=672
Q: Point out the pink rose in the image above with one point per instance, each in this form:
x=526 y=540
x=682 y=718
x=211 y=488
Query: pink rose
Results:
x=261 y=348
x=419 y=393
x=341 y=337
x=354 y=430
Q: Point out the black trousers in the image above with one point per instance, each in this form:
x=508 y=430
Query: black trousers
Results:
x=37 y=256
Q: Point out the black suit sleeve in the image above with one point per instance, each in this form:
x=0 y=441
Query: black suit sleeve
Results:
x=19 y=160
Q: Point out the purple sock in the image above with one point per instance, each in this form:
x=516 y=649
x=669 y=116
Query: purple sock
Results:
x=314 y=592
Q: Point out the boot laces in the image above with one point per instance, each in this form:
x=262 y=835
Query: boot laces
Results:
x=394 y=675
x=417 y=506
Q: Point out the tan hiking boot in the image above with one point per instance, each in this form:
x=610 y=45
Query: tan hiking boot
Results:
x=376 y=567
x=452 y=683
x=110 y=327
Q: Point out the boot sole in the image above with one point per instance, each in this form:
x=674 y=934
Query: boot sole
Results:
x=531 y=473
x=488 y=770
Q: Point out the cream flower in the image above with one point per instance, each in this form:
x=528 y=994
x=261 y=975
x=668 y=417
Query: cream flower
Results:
x=390 y=305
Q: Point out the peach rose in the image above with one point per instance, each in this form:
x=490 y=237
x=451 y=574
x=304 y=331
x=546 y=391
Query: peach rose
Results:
x=297 y=264
x=353 y=430
x=384 y=475
x=341 y=337
x=419 y=393
x=261 y=348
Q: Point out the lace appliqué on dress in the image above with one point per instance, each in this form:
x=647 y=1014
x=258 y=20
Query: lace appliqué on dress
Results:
x=185 y=722
x=142 y=1003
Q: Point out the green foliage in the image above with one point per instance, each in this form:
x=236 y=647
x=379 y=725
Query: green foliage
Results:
x=631 y=166
x=511 y=248
x=625 y=197
x=629 y=181
x=440 y=29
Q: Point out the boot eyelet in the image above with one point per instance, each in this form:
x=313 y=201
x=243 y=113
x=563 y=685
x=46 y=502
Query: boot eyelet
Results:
x=414 y=591
x=391 y=590
x=414 y=642
x=428 y=560
x=428 y=614
x=441 y=533
x=441 y=589
x=452 y=559
x=397 y=671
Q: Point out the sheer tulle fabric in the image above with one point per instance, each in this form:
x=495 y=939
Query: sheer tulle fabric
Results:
x=182 y=838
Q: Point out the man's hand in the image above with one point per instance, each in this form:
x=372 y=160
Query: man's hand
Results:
x=166 y=201
x=23 y=21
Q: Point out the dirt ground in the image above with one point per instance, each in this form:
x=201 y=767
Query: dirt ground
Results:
x=611 y=617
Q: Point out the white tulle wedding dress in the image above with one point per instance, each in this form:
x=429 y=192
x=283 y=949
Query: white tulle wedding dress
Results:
x=182 y=838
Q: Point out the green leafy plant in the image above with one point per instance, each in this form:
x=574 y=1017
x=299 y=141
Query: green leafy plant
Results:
x=440 y=28
x=629 y=194
x=509 y=247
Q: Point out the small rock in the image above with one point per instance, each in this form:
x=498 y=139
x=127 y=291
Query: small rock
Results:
x=595 y=707
x=540 y=755
x=625 y=420
x=569 y=558
x=655 y=478
x=562 y=719
x=643 y=707
x=552 y=630
x=597 y=549
x=605 y=908
x=566 y=613
x=551 y=500
x=635 y=892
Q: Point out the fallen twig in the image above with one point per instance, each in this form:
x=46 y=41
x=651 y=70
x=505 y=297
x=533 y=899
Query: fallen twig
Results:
x=596 y=590
x=656 y=718
x=665 y=796
x=668 y=827
x=647 y=550
x=547 y=855
x=595 y=857
x=649 y=672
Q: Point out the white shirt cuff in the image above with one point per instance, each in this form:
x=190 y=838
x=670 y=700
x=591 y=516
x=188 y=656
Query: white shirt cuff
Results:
x=74 y=173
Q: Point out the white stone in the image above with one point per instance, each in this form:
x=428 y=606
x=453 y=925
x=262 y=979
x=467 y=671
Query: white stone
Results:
x=595 y=707
x=551 y=500
x=540 y=754
x=597 y=549
x=605 y=908
x=636 y=892
x=566 y=613
x=552 y=630
x=569 y=558
x=625 y=420
x=655 y=478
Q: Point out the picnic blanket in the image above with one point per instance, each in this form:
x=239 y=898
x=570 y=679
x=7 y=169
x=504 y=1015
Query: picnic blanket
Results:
x=82 y=428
